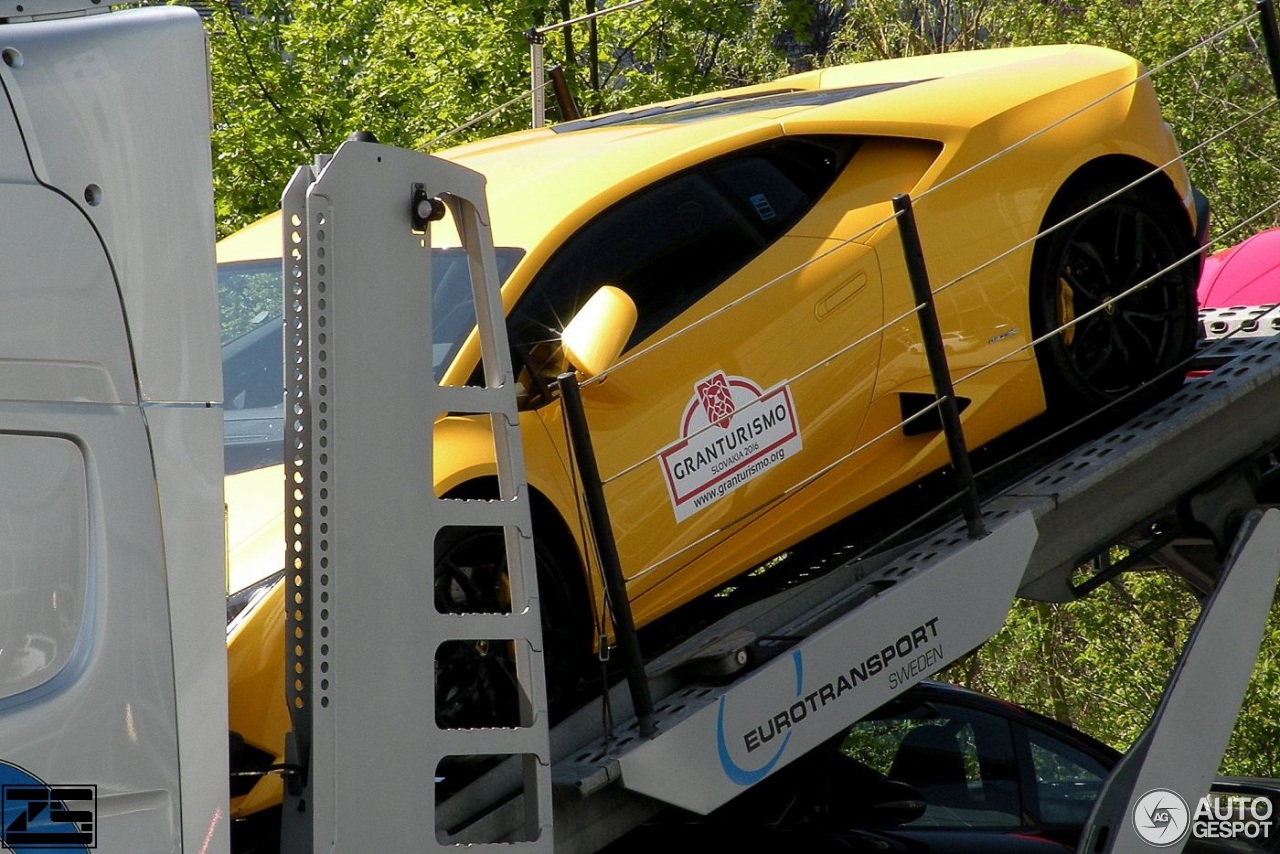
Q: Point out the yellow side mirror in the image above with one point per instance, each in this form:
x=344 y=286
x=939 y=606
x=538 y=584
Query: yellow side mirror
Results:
x=594 y=339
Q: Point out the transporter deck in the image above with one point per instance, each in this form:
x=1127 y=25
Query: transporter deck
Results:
x=761 y=686
x=765 y=684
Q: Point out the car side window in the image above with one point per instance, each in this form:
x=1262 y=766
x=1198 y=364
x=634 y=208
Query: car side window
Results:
x=1067 y=780
x=252 y=370
x=961 y=761
x=672 y=243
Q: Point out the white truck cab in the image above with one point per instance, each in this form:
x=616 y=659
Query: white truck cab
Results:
x=112 y=709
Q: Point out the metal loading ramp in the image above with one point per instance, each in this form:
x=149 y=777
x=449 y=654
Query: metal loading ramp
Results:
x=736 y=702
x=871 y=637
x=363 y=401
x=1199 y=457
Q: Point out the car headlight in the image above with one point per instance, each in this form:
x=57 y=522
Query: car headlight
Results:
x=242 y=602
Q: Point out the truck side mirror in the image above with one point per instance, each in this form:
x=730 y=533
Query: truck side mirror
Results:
x=594 y=339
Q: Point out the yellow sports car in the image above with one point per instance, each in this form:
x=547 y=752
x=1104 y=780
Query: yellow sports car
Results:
x=773 y=333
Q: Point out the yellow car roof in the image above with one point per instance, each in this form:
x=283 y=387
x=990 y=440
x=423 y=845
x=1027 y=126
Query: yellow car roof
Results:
x=549 y=181
x=257 y=241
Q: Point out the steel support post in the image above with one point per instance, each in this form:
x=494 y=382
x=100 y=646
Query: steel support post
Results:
x=937 y=357
x=607 y=549
x=1271 y=39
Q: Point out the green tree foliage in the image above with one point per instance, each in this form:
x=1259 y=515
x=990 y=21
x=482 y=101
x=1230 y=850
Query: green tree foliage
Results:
x=1099 y=664
x=432 y=66
x=1255 y=745
x=280 y=73
x=293 y=78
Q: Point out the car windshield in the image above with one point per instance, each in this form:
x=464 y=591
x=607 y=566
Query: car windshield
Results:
x=249 y=304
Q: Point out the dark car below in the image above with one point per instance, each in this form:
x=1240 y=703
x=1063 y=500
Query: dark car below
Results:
x=938 y=769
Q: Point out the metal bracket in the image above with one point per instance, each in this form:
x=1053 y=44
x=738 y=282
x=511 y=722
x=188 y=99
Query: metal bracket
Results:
x=1182 y=746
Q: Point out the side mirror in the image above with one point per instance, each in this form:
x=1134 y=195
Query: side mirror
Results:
x=594 y=339
x=896 y=803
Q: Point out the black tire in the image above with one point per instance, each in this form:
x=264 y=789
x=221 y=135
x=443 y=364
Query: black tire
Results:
x=1138 y=349
x=476 y=680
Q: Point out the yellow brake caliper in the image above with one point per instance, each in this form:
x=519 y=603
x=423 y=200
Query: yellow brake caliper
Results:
x=1066 y=309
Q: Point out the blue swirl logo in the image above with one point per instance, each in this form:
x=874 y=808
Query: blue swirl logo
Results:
x=735 y=772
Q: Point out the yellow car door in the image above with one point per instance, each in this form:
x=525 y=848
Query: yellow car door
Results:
x=751 y=364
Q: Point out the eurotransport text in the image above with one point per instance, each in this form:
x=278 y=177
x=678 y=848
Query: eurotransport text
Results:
x=919 y=650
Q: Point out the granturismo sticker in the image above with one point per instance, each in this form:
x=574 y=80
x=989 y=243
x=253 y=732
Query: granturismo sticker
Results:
x=731 y=432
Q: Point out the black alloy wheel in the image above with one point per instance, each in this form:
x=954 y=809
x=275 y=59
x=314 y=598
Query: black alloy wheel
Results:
x=476 y=684
x=1117 y=286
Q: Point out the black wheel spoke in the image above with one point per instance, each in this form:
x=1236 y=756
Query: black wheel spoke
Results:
x=1149 y=337
x=476 y=681
x=1097 y=263
x=1121 y=347
x=1080 y=288
x=1153 y=317
x=1135 y=245
x=458 y=578
x=1093 y=349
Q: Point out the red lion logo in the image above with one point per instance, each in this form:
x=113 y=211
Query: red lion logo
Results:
x=717 y=399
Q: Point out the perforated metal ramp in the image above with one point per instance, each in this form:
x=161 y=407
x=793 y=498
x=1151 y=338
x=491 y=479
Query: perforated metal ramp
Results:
x=365 y=632
x=836 y=626
x=1098 y=493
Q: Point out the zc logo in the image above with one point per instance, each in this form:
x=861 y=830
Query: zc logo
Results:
x=1160 y=817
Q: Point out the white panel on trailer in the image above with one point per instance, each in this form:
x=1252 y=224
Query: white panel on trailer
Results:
x=917 y=625
x=114 y=112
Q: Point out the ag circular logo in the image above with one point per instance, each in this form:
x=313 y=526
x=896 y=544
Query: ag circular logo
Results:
x=1161 y=818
